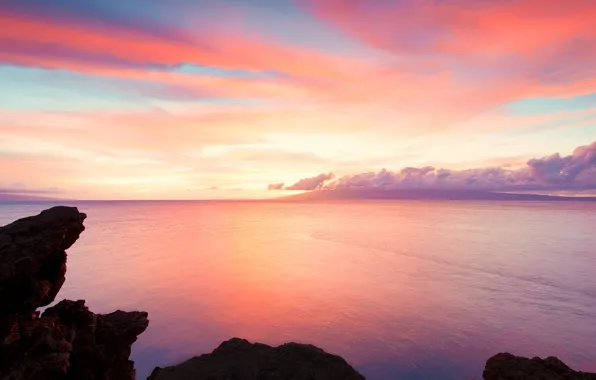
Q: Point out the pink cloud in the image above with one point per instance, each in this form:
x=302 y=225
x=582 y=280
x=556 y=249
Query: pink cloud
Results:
x=413 y=83
x=515 y=48
x=315 y=75
x=434 y=68
x=189 y=128
x=201 y=85
x=573 y=172
x=276 y=186
x=461 y=27
x=556 y=170
x=220 y=49
x=311 y=183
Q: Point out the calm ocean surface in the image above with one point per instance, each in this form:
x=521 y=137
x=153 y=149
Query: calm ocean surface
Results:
x=402 y=290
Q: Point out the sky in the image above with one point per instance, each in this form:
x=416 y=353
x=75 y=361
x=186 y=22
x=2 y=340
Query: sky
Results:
x=194 y=99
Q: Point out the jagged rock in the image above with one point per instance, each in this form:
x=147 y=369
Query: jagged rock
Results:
x=33 y=348
x=33 y=258
x=68 y=341
x=505 y=366
x=102 y=342
x=239 y=359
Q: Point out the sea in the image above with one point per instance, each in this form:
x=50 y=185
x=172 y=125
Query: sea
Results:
x=400 y=289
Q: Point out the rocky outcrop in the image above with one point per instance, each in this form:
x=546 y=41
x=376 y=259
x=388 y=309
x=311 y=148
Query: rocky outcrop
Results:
x=239 y=359
x=67 y=341
x=509 y=367
x=102 y=342
x=33 y=258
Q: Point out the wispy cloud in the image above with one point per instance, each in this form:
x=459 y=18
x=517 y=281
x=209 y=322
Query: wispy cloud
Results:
x=311 y=183
x=276 y=186
x=516 y=48
x=44 y=41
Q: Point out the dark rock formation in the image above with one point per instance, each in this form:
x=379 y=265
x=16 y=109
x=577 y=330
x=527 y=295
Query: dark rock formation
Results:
x=33 y=258
x=33 y=348
x=102 y=343
x=239 y=359
x=509 y=367
x=68 y=341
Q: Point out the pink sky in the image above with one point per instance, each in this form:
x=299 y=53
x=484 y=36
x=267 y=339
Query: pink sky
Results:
x=148 y=100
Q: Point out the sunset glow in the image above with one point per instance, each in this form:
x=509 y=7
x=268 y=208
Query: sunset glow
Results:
x=143 y=99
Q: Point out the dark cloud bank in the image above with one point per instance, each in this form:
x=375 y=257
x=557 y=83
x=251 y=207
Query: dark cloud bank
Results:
x=576 y=172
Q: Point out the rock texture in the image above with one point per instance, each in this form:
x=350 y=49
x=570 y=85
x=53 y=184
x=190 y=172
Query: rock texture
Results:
x=67 y=341
x=239 y=359
x=509 y=367
x=33 y=258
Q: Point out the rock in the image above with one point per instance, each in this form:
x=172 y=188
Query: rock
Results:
x=239 y=359
x=68 y=341
x=33 y=258
x=34 y=348
x=505 y=366
x=102 y=342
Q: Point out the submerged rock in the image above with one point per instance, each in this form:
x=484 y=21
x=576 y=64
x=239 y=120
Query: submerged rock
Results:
x=68 y=341
x=239 y=359
x=505 y=366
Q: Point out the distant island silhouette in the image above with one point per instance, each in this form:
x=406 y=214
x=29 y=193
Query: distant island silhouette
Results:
x=423 y=194
x=326 y=195
x=12 y=197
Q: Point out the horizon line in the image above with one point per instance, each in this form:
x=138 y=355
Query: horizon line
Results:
x=290 y=197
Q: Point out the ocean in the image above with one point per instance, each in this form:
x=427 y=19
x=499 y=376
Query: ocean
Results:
x=400 y=289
